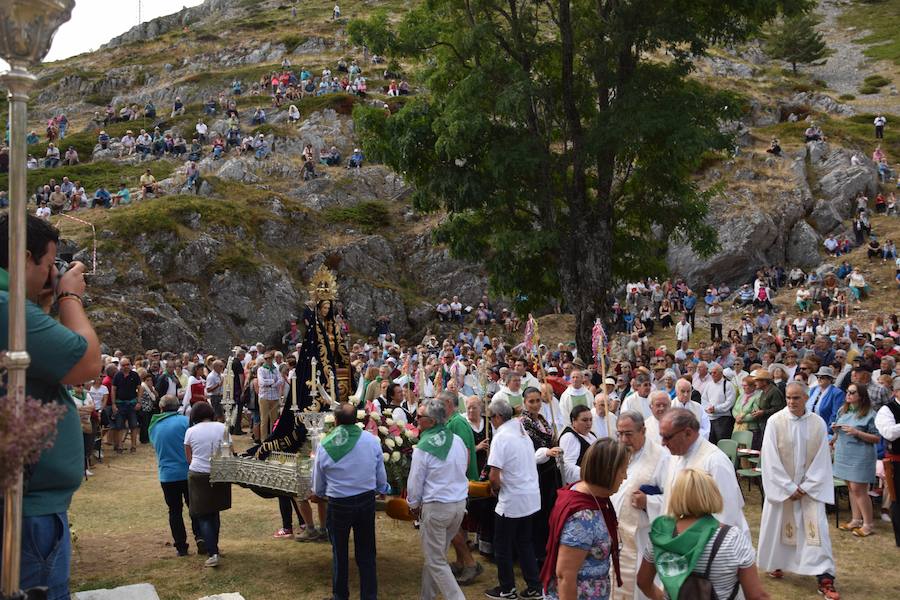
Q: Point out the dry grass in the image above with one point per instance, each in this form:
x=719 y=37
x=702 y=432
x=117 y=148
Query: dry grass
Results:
x=122 y=537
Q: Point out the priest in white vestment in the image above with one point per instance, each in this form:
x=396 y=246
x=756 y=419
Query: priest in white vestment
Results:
x=604 y=424
x=659 y=404
x=682 y=399
x=512 y=391
x=680 y=433
x=797 y=478
x=550 y=409
x=576 y=394
x=639 y=399
x=636 y=509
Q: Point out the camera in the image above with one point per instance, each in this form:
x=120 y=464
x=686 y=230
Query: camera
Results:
x=61 y=262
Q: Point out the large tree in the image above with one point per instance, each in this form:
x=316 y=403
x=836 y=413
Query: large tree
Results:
x=560 y=137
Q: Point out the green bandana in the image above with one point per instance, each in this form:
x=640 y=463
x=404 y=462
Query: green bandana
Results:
x=436 y=441
x=676 y=554
x=341 y=441
x=159 y=417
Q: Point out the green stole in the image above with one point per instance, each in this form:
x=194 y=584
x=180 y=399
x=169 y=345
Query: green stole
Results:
x=676 y=554
x=159 y=417
x=341 y=441
x=436 y=441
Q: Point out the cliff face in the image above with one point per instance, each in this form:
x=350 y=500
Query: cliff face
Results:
x=231 y=263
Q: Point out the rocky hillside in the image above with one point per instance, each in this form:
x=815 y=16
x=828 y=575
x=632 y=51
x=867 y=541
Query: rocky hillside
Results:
x=231 y=263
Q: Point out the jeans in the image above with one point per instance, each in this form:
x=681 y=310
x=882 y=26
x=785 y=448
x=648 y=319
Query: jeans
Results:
x=356 y=513
x=514 y=534
x=176 y=493
x=46 y=553
x=208 y=526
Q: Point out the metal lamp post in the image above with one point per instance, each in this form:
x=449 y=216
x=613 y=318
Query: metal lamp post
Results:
x=26 y=30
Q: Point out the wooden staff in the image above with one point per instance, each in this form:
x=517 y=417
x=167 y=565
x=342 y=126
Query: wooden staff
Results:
x=602 y=354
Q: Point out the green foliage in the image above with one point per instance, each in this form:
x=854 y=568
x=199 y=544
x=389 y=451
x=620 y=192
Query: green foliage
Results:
x=873 y=84
x=561 y=152
x=237 y=259
x=291 y=41
x=369 y=217
x=796 y=40
x=99 y=99
x=882 y=20
x=846 y=97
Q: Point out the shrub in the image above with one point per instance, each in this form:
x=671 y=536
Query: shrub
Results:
x=846 y=97
x=876 y=81
x=369 y=217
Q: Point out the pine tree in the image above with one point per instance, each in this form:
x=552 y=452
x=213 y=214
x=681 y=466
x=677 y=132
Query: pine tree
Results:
x=796 y=40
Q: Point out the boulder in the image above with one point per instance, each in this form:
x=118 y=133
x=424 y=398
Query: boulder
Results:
x=819 y=102
x=237 y=169
x=802 y=246
x=138 y=591
x=840 y=182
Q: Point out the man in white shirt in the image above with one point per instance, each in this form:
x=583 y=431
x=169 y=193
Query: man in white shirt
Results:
x=604 y=424
x=639 y=399
x=717 y=400
x=701 y=377
x=887 y=421
x=682 y=399
x=683 y=330
x=514 y=479
x=576 y=394
x=528 y=380
x=437 y=492
x=659 y=404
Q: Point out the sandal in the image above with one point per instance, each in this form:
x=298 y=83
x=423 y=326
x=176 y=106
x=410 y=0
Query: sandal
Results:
x=133 y=450
x=850 y=525
x=861 y=532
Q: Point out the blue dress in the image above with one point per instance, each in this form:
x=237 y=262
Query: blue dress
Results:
x=854 y=459
x=586 y=530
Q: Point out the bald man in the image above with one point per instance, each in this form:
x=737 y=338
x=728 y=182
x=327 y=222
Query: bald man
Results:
x=659 y=404
x=682 y=399
x=577 y=393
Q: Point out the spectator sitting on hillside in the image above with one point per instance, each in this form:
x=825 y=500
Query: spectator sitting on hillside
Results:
x=101 y=198
x=52 y=160
x=873 y=249
x=293 y=114
x=796 y=277
x=179 y=146
x=342 y=65
x=148 y=185
x=261 y=147
x=210 y=108
x=202 y=131
x=71 y=157
x=443 y=310
x=891 y=204
x=309 y=170
x=404 y=87
x=125 y=113
x=67 y=187
x=57 y=200
x=109 y=115
x=880 y=204
x=128 y=144
x=877 y=155
x=150 y=110
x=196 y=150
x=32 y=138
x=831 y=245
x=43 y=211
x=813 y=133
x=237 y=87
x=259 y=116
x=359 y=86
x=31 y=162
x=857 y=285
x=843 y=270
x=218 y=148
x=143 y=144
x=356 y=159
x=331 y=158
x=192 y=172
x=308 y=152
x=889 y=250
x=234 y=138
x=774 y=148
x=884 y=171
x=123 y=196
x=177 y=107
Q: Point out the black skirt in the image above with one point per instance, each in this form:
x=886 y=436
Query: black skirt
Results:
x=207 y=498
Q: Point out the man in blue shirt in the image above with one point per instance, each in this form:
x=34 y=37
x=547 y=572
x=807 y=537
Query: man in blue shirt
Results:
x=62 y=352
x=349 y=471
x=690 y=304
x=825 y=398
x=167 y=430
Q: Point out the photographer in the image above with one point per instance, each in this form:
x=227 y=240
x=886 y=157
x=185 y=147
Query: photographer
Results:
x=62 y=352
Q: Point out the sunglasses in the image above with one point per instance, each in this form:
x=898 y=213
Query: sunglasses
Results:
x=666 y=438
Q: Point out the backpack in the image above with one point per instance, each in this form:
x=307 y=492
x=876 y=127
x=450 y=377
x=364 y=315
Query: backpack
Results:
x=699 y=587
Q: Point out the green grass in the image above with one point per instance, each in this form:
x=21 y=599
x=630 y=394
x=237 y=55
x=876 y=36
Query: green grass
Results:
x=856 y=132
x=236 y=259
x=169 y=213
x=369 y=217
x=882 y=19
x=873 y=84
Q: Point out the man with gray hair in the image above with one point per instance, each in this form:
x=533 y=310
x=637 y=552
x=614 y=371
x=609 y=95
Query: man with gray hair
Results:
x=437 y=492
x=717 y=399
x=512 y=391
x=636 y=503
x=679 y=431
x=167 y=429
x=514 y=479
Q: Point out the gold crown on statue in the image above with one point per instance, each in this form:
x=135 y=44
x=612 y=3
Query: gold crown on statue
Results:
x=323 y=285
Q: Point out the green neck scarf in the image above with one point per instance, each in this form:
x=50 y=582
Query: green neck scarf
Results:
x=676 y=554
x=341 y=441
x=159 y=417
x=436 y=441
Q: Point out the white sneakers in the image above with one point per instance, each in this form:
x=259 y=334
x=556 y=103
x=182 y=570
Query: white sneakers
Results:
x=212 y=561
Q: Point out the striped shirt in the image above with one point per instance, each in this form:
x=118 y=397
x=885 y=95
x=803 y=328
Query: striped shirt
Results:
x=736 y=552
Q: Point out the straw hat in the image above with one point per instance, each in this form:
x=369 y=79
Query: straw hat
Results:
x=762 y=374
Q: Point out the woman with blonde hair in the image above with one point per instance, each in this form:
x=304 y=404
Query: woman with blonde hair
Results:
x=690 y=541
